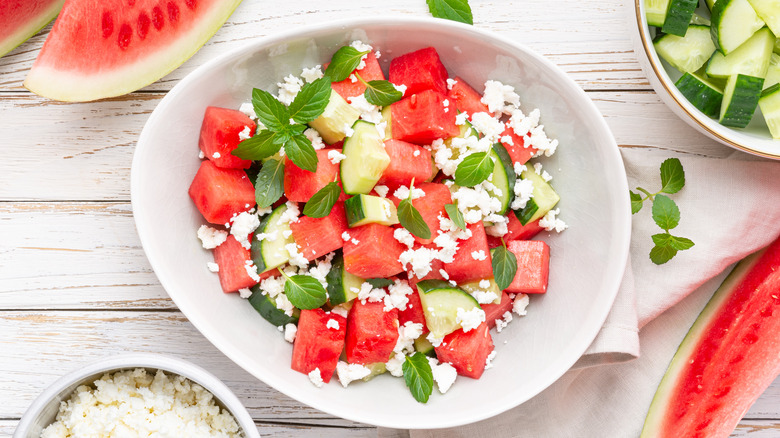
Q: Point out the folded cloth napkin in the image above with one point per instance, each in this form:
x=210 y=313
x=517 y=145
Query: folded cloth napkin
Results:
x=729 y=208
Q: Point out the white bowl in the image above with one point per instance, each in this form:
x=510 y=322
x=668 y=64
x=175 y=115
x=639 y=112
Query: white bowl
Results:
x=754 y=139
x=43 y=410
x=587 y=260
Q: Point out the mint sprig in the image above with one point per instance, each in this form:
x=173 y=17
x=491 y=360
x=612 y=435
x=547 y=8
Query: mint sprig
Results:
x=456 y=10
x=411 y=219
x=455 y=216
x=504 y=266
x=269 y=185
x=418 y=376
x=310 y=101
x=303 y=291
x=380 y=92
x=323 y=201
x=343 y=63
x=474 y=169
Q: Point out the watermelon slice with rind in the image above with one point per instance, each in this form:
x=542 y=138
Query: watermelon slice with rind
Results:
x=728 y=358
x=19 y=20
x=105 y=48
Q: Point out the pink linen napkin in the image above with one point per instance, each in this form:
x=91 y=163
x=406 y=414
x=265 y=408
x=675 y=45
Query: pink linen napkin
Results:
x=729 y=208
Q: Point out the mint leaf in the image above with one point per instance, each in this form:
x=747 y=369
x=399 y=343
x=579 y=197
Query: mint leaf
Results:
x=455 y=216
x=662 y=254
x=418 y=376
x=636 y=202
x=672 y=176
x=382 y=93
x=259 y=147
x=474 y=169
x=305 y=292
x=661 y=239
x=310 y=101
x=269 y=185
x=301 y=152
x=379 y=283
x=343 y=63
x=456 y=10
x=412 y=220
x=270 y=111
x=665 y=212
x=504 y=266
x=680 y=243
x=322 y=202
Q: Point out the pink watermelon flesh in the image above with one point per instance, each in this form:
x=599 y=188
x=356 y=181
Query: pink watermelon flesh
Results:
x=105 y=48
x=19 y=20
x=729 y=357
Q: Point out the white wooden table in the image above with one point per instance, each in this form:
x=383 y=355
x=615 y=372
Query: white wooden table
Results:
x=74 y=282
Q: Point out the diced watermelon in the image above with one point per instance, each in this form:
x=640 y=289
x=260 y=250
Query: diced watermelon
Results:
x=516 y=231
x=420 y=70
x=317 y=345
x=464 y=267
x=219 y=135
x=467 y=100
x=497 y=311
x=422 y=118
x=220 y=193
x=407 y=161
x=371 y=72
x=375 y=255
x=533 y=266
x=467 y=352
x=414 y=310
x=319 y=236
x=430 y=206
x=436 y=267
x=300 y=185
x=516 y=149
x=232 y=257
x=371 y=333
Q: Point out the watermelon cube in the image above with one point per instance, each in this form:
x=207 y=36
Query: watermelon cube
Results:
x=533 y=266
x=371 y=333
x=430 y=206
x=467 y=351
x=497 y=311
x=422 y=118
x=232 y=258
x=300 y=185
x=219 y=136
x=319 y=236
x=419 y=71
x=407 y=162
x=516 y=147
x=467 y=100
x=372 y=252
x=465 y=267
x=516 y=231
x=317 y=345
x=414 y=310
x=220 y=193
x=371 y=72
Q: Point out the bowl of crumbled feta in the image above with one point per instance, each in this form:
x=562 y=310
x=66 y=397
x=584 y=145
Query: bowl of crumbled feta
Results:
x=137 y=395
x=231 y=297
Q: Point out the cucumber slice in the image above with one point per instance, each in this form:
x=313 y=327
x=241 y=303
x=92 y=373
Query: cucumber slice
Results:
x=773 y=72
x=368 y=209
x=751 y=59
x=474 y=287
x=376 y=369
x=733 y=23
x=542 y=201
x=698 y=19
x=504 y=177
x=678 y=16
x=341 y=282
x=770 y=107
x=424 y=346
x=387 y=117
x=334 y=122
x=440 y=303
x=655 y=12
x=687 y=53
x=769 y=12
x=740 y=99
x=270 y=252
x=705 y=96
x=365 y=160
x=710 y=4
x=266 y=307
x=777 y=46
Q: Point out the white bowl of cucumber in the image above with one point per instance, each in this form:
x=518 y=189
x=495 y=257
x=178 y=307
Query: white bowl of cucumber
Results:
x=713 y=63
x=587 y=261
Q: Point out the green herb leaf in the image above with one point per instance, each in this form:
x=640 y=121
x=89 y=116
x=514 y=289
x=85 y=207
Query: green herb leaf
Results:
x=661 y=239
x=474 y=169
x=379 y=283
x=301 y=152
x=455 y=216
x=672 y=176
x=665 y=212
x=504 y=266
x=680 y=243
x=418 y=376
x=310 y=101
x=456 y=10
x=343 y=63
x=305 y=292
x=662 y=254
x=322 y=202
x=261 y=146
x=382 y=93
x=269 y=185
x=412 y=220
x=636 y=202
x=270 y=111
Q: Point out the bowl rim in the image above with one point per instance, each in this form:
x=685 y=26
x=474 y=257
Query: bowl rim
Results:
x=121 y=362
x=671 y=91
x=622 y=229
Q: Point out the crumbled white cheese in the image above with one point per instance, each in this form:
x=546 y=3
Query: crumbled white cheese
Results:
x=377 y=54
x=272 y=286
x=484 y=284
x=489 y=360
x=420 y=260
x=416 y=153
x=213 y=267
x=461 y=118
x=407 y=333
x=216 y=155
x=348 y=131
x=524 y=191
x=335 y=156
x=470 y=319
x=404 y=236
x=316 y=378
x=402 y=192
x=245 y=133
x=332 y=324
x=368 y=111
x=381 y=191
x=349 y=372
x=289 y=89
x=211 y=237
x=488 y=126
x=340 y=310
x=550 y=222
x=296 y=258
x=360 y=46
x=355 y=241
x=436 y=342
x=444 y=274
x=478 y=255
x=290 y=215
x=283 y=303
x=394 y=366
x=451 y=83
x=497 y=95
x=353 y=78
x=312 y=74
x=345 y=236
x=242 y=225
x=290 y=331
x=248 y=109
x=484 y=296
x=397 y=296
x=314 y=137
x=520 y=304
x=244 y=293
x=201 y=155
x=443 y=374
x=504 y=321
x=251 y=270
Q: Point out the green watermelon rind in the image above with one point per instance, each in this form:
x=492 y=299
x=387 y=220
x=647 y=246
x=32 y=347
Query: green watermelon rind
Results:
x=32 y=27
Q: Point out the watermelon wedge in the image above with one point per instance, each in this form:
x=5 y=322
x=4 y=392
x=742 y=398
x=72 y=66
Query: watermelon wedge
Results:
x=20 y=20
x=728 y=358
x=105 y=48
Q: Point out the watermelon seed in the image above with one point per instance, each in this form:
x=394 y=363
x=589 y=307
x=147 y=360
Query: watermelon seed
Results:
x=157 y=18
x=125 y=35
x=173 y=12
x=108 y=24
x=143 y=25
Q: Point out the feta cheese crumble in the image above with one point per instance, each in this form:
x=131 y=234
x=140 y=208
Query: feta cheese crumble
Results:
x=381 y=191
x=211 y=237
x=520 y=304
x=470 y=319
x=316 y=378
x=332 y=324
x=289 y=89
x=479 y=256
x=245 y=133
x=349 y=372
x=244 y=293
x=550 y=222
x=312 y=74
x=290 y=331
x=335 y=156
x=444 y=374
x=213 y=267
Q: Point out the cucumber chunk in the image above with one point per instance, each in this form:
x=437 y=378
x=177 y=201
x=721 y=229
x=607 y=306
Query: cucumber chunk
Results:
x=441 y=302
x=368 y=209
x=705 y=96
x=655 y=12
x=698 y=19
x=341 y=283
x=266 y=307
x=688 y=53
x=751 y=59
x=542 y=201
x=334 y=122
x=769 y=12
x=733 y=23
x=740 y=99
x=678 y=16
x=365 y=160
x=270 y=253
x=387 y=117
x=770 y=107
x=474 y=287
x=710 y=4
x=773 y=72
x=376 y=369
x=424 y=346
x=504 y=177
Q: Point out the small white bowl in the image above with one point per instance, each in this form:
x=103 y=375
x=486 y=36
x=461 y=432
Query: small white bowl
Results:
x=587 y=261
x=43 y=410
x=754 y=139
